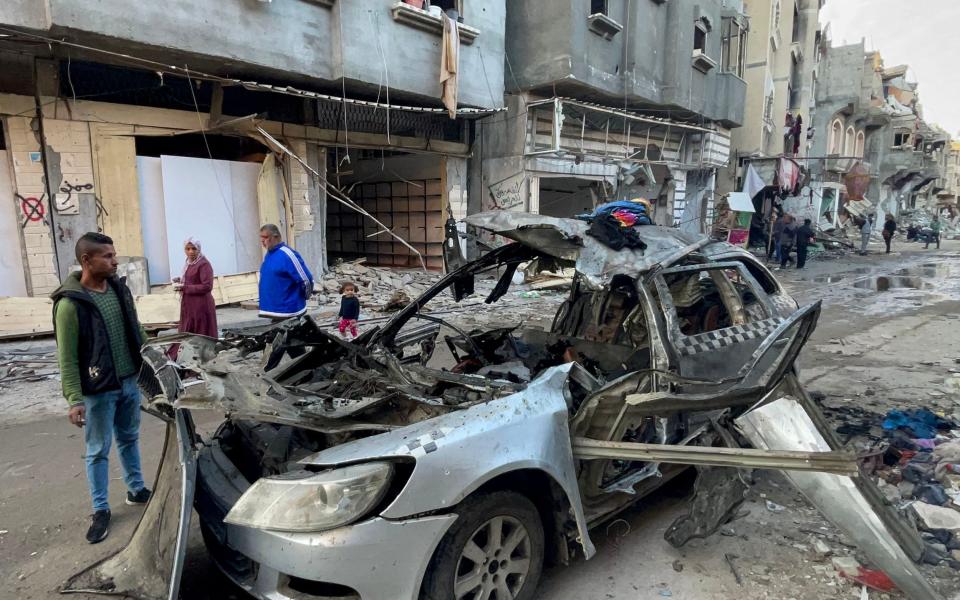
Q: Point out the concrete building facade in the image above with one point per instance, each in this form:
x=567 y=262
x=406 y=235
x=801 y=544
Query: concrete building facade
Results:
x=614 y=99
x=781 y=73
x=348 y=93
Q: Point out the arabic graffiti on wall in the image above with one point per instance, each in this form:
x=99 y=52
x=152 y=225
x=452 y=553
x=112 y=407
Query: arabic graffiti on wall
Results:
x=67 y=202
x=508 y=193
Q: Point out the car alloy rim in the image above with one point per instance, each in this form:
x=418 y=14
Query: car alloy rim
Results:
x=495 y=561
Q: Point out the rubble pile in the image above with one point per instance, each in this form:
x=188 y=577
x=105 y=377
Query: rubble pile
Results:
x=380 y=289
x=26 y=365
x=919 y=472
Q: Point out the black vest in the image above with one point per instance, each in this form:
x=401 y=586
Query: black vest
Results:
x=97 y=373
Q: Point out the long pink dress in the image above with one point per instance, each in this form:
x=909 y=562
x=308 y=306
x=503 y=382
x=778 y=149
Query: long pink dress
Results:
x=198 y=311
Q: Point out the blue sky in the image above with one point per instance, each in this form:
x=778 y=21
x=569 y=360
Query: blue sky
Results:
x=921 y=33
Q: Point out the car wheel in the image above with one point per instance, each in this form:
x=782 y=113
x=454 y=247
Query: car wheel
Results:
x=494 y=551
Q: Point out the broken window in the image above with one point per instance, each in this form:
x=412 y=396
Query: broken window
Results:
x=700 y=38
x=902 y=137
x=704 y=301
x=733 y=45
x=449 y=6
x=836 y=137
x=598 y=7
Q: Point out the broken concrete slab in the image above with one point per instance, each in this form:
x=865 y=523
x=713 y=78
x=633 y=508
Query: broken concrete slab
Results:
x=936 y=517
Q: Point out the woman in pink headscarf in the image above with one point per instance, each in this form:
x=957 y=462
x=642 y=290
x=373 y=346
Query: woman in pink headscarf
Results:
x=198 y=311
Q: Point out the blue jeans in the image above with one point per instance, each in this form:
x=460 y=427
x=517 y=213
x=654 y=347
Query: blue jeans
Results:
x=113 y=413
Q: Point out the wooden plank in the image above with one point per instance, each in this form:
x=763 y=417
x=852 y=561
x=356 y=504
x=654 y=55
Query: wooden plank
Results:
x=26 y=317
x=115 y=174
x=227 y=289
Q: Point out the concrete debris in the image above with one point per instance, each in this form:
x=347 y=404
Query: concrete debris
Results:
x=936 y=517
x=19 y=366
x=379 y=288
x=774 y=507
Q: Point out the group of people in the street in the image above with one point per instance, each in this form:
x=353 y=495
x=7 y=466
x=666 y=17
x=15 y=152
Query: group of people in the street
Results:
x=99 y=337
x=787 y=236
x=890 y=228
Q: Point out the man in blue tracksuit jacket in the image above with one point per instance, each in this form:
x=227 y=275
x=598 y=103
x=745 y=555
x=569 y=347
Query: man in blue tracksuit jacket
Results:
x=285 y=280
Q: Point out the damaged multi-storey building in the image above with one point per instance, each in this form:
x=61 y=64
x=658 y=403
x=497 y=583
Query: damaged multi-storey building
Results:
x=612 y=101
x=157 y=121
x=878 y=153
x=781 y=70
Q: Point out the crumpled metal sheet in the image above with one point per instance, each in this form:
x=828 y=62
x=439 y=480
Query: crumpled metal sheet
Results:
x=567 y=239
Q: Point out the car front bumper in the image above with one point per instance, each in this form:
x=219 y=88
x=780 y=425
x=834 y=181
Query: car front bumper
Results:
x=379 y=559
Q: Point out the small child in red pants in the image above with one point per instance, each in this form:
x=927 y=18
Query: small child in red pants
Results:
x=349 y=309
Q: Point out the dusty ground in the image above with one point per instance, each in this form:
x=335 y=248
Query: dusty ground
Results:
x=887 y=337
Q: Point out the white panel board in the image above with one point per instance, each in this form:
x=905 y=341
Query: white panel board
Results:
x=12 y=282
x=243 y=183
x=153 y=219
x=197 y=203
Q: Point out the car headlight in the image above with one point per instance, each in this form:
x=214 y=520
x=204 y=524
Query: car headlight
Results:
x=310 y=501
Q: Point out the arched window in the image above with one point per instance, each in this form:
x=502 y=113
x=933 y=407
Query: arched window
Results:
x=848 y=142
x=836 y=137
x=860 y=143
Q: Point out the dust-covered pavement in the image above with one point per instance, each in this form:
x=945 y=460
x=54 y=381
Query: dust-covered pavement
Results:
x=873 y=349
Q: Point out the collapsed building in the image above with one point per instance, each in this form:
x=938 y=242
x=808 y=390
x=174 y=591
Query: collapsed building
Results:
x=880 y=155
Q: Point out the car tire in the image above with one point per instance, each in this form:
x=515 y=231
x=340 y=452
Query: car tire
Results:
x=470 y=563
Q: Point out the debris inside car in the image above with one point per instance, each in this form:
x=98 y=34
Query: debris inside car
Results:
x=422 y=460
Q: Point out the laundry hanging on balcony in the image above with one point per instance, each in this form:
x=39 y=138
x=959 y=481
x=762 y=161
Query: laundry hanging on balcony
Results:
x=449 y=65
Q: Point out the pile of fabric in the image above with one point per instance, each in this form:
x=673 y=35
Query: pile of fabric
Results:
x=628 y=213
x=613 y=223
x=920 y=473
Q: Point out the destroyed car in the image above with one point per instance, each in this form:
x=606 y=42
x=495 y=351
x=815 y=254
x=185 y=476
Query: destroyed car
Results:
x=408 y=464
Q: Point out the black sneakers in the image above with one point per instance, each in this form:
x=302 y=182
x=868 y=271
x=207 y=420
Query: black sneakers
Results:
x=140 y=497
x=100 y=527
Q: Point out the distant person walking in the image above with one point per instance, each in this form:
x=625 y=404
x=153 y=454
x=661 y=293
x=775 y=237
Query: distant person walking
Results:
x=866 y=228
x=98 y=347
x=285 y=281
x=198 y=310
x=805 y=237
x=889 y=228
x=788 y=236
x=935 y=233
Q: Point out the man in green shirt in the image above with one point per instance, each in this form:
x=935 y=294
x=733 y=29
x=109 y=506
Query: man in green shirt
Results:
x=935 y=237
x=98 y=346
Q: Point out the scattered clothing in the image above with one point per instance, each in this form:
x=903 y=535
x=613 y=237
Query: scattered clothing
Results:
x=608 y=230
x=919 y=422
x=628 y=212
x=285 y=283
